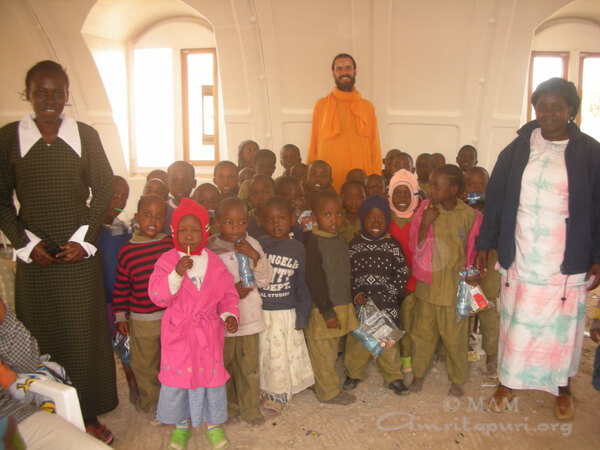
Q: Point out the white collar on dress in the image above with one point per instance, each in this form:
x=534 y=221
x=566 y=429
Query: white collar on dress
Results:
x=29 y=133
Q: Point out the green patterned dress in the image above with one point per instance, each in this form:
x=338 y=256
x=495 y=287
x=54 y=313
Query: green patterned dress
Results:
x=63 y=304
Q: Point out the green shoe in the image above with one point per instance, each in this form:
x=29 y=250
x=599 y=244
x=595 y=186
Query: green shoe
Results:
x=216 y=438
x=179 y=439
x=406 y=364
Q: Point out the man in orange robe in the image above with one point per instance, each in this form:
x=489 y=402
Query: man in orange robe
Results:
x=344 y=127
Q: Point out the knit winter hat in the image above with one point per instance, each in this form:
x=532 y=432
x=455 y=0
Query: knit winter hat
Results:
x=190 y=207
x=379 y=202
x=404 y=178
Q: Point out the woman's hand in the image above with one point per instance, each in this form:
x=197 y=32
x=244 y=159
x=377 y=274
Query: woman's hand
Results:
x=593 y=272
x=40 y=256
x=231 y=324
x=481 y=262
x=184 y=264
x=71 y=252
x=245 y=248
x=123 y=328
x=595 y=335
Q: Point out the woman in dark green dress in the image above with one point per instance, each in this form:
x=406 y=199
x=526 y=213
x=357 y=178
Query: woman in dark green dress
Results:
x=53 y=164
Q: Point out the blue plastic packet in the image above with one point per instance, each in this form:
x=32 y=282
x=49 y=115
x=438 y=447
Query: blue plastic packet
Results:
x=377 y=331
x=368 y=341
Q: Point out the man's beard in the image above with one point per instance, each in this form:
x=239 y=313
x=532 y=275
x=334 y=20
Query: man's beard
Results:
x=345 y=85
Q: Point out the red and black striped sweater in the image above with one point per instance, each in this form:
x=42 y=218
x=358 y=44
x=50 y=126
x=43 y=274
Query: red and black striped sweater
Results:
x=135 y=265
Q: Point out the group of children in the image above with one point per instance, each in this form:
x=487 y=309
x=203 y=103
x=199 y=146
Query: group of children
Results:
x=240 y=293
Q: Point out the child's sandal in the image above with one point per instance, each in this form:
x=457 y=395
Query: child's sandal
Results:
x=179 y=439
x=216 y=438
x=270 y=408
x=101 y=433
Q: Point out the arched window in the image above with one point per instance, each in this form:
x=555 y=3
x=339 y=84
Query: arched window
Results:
x=159 y=68
x=174 y=95
x=569 y=48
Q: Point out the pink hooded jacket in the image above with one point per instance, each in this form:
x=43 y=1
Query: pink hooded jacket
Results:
x=192 y=332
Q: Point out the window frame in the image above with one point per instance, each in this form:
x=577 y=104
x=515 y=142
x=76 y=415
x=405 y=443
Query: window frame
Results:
x=582 y=57
x=564 y=55
x=185 y=125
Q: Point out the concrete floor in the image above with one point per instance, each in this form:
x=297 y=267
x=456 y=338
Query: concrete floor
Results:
x=380 y=420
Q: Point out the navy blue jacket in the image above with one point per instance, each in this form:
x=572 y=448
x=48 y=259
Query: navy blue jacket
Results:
x=582 y=158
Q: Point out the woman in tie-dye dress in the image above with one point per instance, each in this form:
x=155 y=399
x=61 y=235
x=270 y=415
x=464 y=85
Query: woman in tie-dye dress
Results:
x=542 y=214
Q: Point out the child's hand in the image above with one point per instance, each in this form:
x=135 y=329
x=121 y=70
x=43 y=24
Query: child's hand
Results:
x=360 y=299
x=429 y=215
x=123 y=328
x=184 y=264
x=472 y=281
x=245 y=248
x=242 y=291
x=595 y=335
x=231 y=324
x=334 y=323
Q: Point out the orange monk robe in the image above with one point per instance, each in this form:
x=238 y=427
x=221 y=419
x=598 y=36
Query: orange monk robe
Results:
x=344 y=134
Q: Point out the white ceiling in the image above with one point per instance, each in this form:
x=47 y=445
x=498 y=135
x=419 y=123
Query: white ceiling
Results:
x=123 y=20
x=583 y=9
x=127 y=18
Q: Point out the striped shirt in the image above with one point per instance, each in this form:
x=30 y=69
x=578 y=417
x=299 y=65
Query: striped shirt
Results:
x=136 y=263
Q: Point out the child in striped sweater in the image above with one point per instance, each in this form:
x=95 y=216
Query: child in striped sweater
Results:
x=135 y=313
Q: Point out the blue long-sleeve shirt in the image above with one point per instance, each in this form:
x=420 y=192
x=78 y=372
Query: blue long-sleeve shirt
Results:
x=287 y=289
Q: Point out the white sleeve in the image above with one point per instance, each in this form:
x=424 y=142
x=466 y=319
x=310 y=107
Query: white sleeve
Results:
x=175 y=281
x=24 y=252
x=79 y=237
x=225 y=315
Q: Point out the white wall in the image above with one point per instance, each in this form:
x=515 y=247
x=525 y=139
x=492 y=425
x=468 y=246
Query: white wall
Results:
x=440 y=73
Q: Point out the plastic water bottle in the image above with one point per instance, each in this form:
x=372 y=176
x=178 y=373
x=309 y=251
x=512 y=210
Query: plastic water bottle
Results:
x=469 y=272
x=463 y=299
x=463 y=304
x=474 y=197
x=246 y=274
